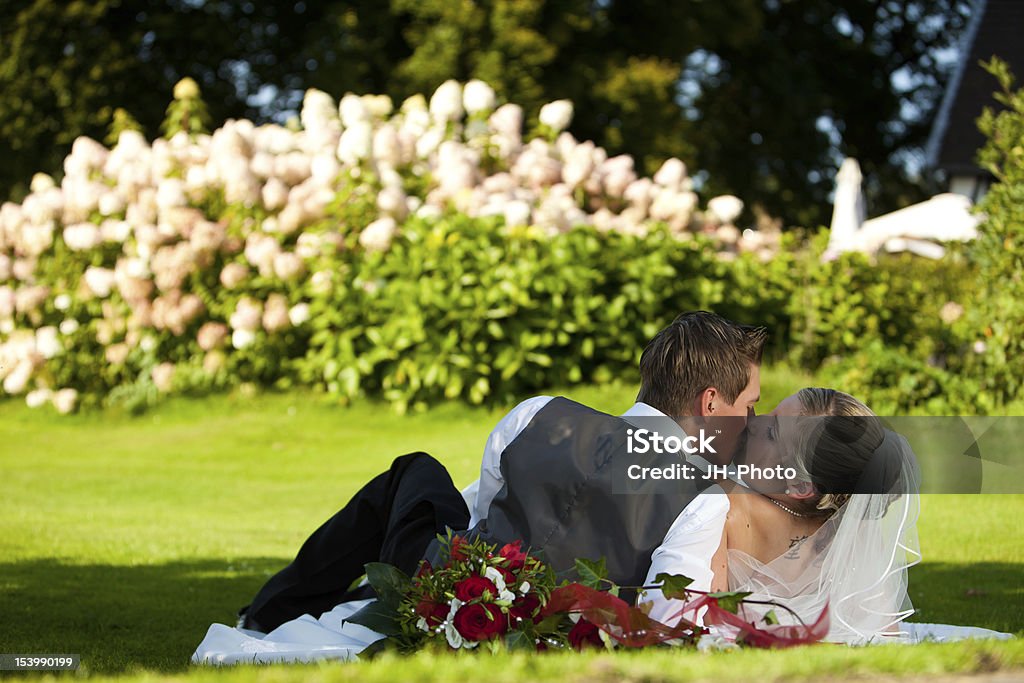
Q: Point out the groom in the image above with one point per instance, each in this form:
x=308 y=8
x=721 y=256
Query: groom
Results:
x=551 y=477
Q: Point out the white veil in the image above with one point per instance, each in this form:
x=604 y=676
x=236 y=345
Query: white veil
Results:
x=855 y=563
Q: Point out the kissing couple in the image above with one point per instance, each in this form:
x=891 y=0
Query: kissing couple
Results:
x=834 y=525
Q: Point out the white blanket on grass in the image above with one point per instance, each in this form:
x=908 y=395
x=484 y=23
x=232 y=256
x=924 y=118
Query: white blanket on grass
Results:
x=308 y=639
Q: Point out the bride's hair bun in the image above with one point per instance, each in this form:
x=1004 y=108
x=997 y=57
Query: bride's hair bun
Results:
x=835 y=452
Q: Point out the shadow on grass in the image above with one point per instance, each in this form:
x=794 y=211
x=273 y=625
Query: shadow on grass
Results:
x=120 y=618
x=987 y=594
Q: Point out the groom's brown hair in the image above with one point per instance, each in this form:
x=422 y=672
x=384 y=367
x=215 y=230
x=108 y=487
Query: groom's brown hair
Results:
x=696 y=351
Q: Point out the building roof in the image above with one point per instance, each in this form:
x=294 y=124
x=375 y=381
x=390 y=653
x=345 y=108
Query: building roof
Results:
x=996 y=29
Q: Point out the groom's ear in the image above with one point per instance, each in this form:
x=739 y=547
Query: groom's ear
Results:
x=706 y=402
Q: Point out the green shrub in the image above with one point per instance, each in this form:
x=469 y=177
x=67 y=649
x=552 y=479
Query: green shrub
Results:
x=893 y=382
x=462 y=308
x=465 y=308
x=994 y=326
x=841 y=306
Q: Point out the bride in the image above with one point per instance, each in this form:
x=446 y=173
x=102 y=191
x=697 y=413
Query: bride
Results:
x=842 y=533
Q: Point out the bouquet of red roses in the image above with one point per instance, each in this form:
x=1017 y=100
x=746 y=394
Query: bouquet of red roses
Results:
x=506 y=598
x=480 y=594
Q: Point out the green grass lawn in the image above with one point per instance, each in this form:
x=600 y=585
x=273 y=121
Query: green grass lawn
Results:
x=122 y=539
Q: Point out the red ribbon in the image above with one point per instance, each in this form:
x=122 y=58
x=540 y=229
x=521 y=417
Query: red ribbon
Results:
x=632 y=627
x=628 y=625
x=768 y=636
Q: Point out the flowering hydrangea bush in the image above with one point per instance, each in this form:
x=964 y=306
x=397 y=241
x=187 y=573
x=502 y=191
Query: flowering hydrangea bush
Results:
x=420 y=254
x=202 y=260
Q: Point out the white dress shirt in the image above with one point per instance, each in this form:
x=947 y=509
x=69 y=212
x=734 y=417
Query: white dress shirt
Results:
x=689 y=544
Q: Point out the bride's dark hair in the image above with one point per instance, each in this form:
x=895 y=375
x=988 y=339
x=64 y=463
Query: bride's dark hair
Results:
x=834 y=453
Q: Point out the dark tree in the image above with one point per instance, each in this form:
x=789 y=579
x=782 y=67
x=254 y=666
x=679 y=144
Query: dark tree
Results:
x=763 y=97
x=825 y=79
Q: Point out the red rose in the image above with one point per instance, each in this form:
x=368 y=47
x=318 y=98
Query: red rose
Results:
x=514 y=554
x=480 y=622
x=474 y=587
x=456 y=552
x=433 y=612
x=525 y=608
x=424 y=569
x=583 y=634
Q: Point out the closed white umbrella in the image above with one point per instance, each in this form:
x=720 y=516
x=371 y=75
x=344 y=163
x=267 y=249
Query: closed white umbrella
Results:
x=848 y=212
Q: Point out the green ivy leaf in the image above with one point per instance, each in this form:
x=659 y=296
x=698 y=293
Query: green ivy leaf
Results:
x=673 y=586
x=592 y=573
x=730 y=600
x=517 y=640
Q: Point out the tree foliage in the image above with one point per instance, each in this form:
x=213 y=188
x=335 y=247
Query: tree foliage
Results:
x=763 y=95
x=66 y=67
x=824 y=79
